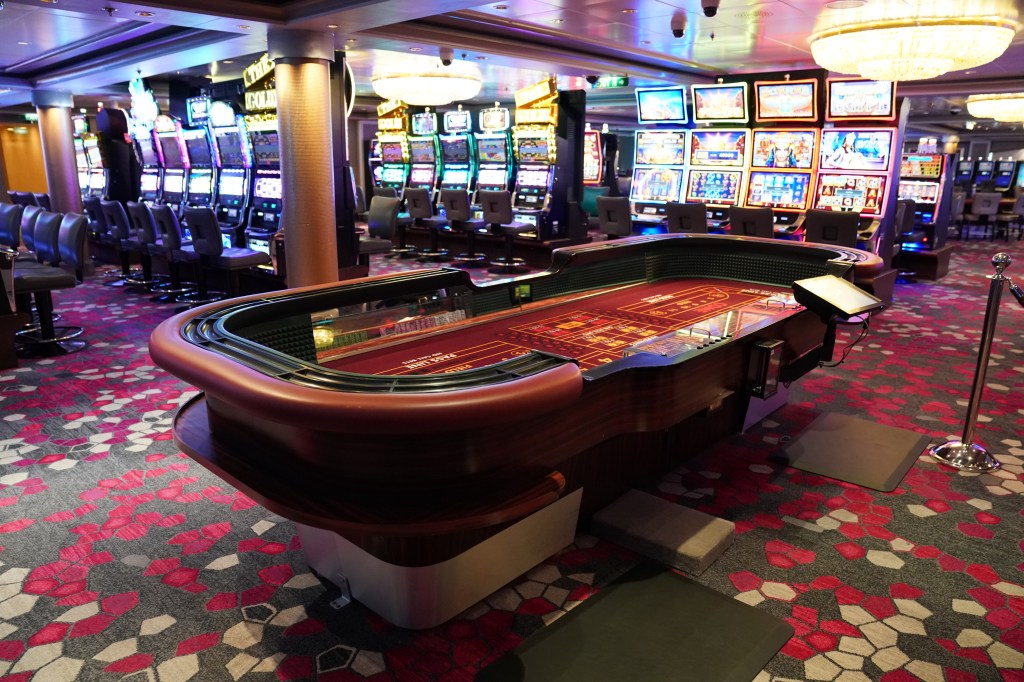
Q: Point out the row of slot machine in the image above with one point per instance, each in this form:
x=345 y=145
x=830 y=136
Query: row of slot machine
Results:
x=220 y=159
x=845 y=165
x=1000 y=176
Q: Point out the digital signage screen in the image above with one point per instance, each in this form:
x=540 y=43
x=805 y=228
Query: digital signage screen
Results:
x=592 y=158
x=920 y=192
x=660 y=148
x=783 y=149
x=779 y=190
x=422 y=151
x=864 y=194
x=856 y=149
x=424 y=124
x=853 y=99
x=656 y=184
x=491 y=177
x=718 y=148
x=661 y=105
x=714 y=187
x=532 y=149
x=786 y=100
x=722 y=103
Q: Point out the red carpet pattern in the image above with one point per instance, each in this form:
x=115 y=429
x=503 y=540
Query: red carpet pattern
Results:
x=120 y=559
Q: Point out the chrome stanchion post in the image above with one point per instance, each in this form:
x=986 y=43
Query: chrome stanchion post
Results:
x=965 y=454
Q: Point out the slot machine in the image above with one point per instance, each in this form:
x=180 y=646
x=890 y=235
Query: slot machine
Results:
x=782 y=166
x=718 y=161
x=423 y=155
x=593 y=158
x=494 y=149
x=983 y=171
x=97 y=169
x=375 y=163
x=924 y=178
x=173 y=159
x=152 y=173
x=458 y=151
x=234 y=162
x=659 y=155
x=1003 y=178
x=267 y=204
x=201 y=182
x=964 y=173
x=80 y=127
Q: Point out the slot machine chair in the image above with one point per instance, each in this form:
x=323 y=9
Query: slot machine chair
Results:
x=1015 y=216
x=146 y=236
x=206 y=241
x=956 y=214
x=420 y=205
x=589 y=204
x=497 y=212
x=984 y=209
x=831 y=227
x=752 y=222
x=66 y=255
x=24 y=198
x=42 y=200
x=119 y=238
x=10 y=225
x=460 y=218
x=153 y=237
x=381 y=224
x=179 y=252
x=690 y=217
x=29 y=215
x=614 y=219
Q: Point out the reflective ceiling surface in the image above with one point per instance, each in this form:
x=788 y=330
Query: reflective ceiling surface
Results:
x=91 y=48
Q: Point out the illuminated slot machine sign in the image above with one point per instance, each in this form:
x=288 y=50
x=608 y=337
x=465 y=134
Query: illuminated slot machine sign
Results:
x=921 y=166
x=656 y=185
x=720 y=103
x=857 y=99
x=267 y=187
x=493 y=154
x=716 y=157
x=719 y=148
x=593 y=159
x=784 y=148
x=659 y=170
x=921 y=181
x=174 y=184
x=786 y=100
x=785 y=191
x=983 y=171
x=661 y=105
x=1003 y=178
x=856 y=149
x=863 y=194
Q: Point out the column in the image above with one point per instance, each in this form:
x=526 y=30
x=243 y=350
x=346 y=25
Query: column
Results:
x=301 y=72
x=57 y=137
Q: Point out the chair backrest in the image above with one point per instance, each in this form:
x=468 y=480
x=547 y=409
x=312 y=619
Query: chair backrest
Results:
x=167 y=226
x=382 y=216
x=142 y=221
x=94 y=214
x=831 y=227
x=418 y=203
x=1018 y=205
x=613 y=216
x=42 y=200
x=590 y=195
x=956 y=206
x=986 y=203
x=25 y=199
x=905 y=216
x=12 y=195
x=117 y=219
x=202 y=223
x=456 y=204
x=752 y=222
x=386 y=192
x=28 y=226
x=71 y=243
x=47 y=232
x=496 y=205
x=10 y=225
x=691 y=217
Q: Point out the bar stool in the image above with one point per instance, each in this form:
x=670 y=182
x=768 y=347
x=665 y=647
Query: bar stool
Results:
x=119 y=237
x=179 y=252
x=689 y=218
x=206 y=241
x=497 y=207
x=145 y=234
x=460 y=217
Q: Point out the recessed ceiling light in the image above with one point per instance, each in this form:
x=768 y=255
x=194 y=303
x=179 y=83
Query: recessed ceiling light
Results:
x=845 y=4
x=332 y=26
x=415 y=49
x=351 y=40
x=228 y=61
x=22 y=42
x=558 y=21
x=645 y=42
x=629 y=10
x=501 y=7
x=49 y=2
x=145 y=14
x=481 y=58
x=244 y=27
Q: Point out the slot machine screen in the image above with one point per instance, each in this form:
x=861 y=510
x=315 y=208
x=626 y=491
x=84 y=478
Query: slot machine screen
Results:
x=964 y=171
x=391 y=152
x=491 y=177
x=661 y=105
x=984 y=171
x=84 y=179
x=862 y=194
x=921 y=192
x=660 y=148
x=79 y=125
x=723 y=103
x=861 y=99
x=92 y=153
x=779 y=190
x=1004 y=175
x=424 y=124
x=718 y=147
x=374 y=149
x=200 y=183
x=422 y=151
x=714 y=187
x=783 y=149
x=921 y=166
x=787 y=100
x=656 y=184
x=231 y=184
x=422 y=176
x=267 y=187
x=393 y=175
x=97 y=181
x=171 y=151
x=1020 y=176
x=149 y=182
x=531 y=178
x=456 y=176
x=492 y=149
x=455 y=149
x=497 y=118
x=848 y=149
x=174 y=183
x=591 y=156
x=198 y=150
x=266 y=149
x=229 y=145
x=532 y=149
x=148 y=154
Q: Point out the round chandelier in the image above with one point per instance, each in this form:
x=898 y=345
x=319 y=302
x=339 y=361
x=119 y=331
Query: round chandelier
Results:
x=913 y=40
x=1007 y=107
x=429 y=83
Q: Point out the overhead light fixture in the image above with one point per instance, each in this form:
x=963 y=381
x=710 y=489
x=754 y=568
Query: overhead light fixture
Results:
x=1007 y=106
x=913 y=40
x=415 y=49
x=244 y=27
x=143 y=13
x=426 y=82
x=332 y=26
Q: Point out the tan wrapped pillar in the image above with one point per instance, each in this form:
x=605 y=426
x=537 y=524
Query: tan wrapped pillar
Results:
x=57 y=137
x=302 y=78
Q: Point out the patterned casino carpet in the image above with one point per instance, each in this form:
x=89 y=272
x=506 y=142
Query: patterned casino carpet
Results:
x=120 y=559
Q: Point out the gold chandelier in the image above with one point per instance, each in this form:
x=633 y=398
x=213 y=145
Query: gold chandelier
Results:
x=421 y=81
x=1007 y=107
x=913 y=40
